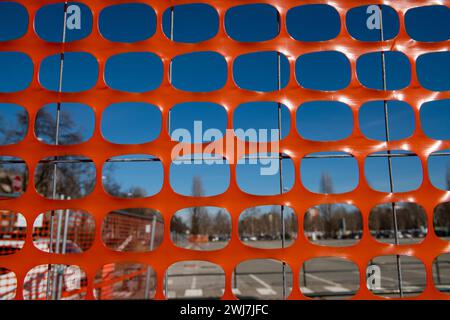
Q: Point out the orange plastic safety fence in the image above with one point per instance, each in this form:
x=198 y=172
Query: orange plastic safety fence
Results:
x=98 y=203
x=118 y=227
x=124 y=281
x=78 y=236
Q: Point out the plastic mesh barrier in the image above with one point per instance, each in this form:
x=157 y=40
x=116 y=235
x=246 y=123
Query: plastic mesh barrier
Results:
x=96 y=256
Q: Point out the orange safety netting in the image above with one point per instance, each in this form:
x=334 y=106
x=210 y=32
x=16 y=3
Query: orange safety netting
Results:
x=98 y=203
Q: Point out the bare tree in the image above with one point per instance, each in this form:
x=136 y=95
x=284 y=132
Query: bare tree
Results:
x=326 y=210
x=74 y=179
x=177 y=225
x=442 y=219
x=409 y=216
x=334 y=220
x=198 y=214
x=46 y=128
x=221 y=223
x=10 y=134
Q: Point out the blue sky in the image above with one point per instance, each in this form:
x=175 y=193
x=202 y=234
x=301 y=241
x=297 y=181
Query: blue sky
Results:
x=320 y=121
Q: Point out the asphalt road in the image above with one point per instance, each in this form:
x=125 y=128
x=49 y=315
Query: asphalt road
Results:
x=194 y=280
x=325 y=278
x=328 y=278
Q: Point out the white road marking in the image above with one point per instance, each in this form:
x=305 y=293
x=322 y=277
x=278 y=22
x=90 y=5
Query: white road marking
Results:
x=194 y=282
x=329 y=282
x=442 y=287
x=193 y=293
x=332 y=286
x=389 y=279
x=265 y=291
x=260 y=281
x=234 y=290
x=407 y=287
x=335 y=289
x=405 y=283
x=305 y=290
